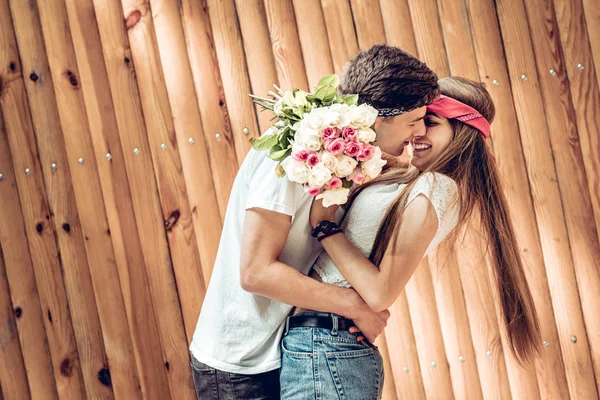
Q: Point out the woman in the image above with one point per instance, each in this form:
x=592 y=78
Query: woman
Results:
x=391 y=223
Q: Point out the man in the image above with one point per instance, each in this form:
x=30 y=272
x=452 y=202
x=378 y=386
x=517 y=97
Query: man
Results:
x=266 y=247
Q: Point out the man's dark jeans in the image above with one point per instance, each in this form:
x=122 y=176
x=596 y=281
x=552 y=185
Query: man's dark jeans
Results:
x=212 y=384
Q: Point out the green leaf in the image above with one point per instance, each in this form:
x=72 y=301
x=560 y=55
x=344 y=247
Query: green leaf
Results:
x=279 y=155
x=280 y=171
x=264 y=142
x=283 y=139
x=347 y=184
x=350 y=99
x=326 y=94
x=329 y=80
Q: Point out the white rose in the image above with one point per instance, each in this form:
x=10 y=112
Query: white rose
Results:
x=296 y=171
x=345 y=166
x=336 y=117
x=362 y=116
x=334 y=196
x=373 y=167
x=319 y=175
x=309 y=139
x=339 y=108
x=314 y=120
x=329 y=160
x=366 y=135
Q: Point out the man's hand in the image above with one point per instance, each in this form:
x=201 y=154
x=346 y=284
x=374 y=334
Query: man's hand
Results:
x=401 y=161
x=369 y=324
x=319 y=213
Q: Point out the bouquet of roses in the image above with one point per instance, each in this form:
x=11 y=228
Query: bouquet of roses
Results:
x=321 y=140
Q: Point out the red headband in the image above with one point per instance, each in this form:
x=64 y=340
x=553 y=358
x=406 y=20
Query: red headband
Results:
x=454 y=109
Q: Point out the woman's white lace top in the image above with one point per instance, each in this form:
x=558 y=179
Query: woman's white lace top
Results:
x=364 y=217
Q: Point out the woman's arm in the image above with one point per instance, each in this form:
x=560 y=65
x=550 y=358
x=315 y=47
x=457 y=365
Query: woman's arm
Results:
x=380 y=287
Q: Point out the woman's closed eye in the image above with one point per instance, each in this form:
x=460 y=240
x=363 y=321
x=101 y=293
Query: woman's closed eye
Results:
x=429 y=121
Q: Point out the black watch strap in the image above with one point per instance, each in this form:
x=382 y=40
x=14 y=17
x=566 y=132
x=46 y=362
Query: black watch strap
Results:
x=324 y=227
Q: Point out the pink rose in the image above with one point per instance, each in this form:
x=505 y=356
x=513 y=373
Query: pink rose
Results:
x=311 y=190
x=301 y=155
x=352 y=149
x=349 y=134
x=331 y=133
x=312 y=160
x=334 y=183
x=335 y=146
x=366 y=153
x=357 y=176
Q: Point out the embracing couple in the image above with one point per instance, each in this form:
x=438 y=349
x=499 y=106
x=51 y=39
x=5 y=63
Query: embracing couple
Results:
x=299 y=292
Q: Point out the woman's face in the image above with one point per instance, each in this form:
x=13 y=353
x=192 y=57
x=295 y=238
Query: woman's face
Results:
x=428 y=147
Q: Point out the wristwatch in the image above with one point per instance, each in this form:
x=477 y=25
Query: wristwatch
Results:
x=324 y=228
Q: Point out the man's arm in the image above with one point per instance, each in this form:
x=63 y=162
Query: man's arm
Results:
x=264 y=236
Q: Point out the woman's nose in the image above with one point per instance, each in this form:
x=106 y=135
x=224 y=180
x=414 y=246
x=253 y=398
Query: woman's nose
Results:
x=420 y=130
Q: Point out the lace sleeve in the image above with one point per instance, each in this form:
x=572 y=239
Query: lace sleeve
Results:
x=442 y=192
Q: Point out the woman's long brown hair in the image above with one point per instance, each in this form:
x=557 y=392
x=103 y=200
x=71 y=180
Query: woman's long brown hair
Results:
x=468 y=161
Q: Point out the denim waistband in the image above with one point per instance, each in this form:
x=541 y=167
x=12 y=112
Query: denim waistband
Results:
x=334 y=317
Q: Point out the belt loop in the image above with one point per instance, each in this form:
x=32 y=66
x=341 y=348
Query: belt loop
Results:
x=287 y=326
x=334 y=330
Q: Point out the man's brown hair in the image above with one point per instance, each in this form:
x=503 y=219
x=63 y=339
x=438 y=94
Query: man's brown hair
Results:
x=389 y=77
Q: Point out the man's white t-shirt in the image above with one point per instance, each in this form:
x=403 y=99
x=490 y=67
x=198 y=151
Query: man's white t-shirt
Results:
x=237 y=331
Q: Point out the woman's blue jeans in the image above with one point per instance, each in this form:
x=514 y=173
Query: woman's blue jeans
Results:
x=327 y=364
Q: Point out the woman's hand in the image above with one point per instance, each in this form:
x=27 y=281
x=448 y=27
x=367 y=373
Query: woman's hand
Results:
x=319 y=213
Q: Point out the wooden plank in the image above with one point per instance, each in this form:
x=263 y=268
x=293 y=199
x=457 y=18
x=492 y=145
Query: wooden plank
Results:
x=252 y=17
x=428 y=35
x=17 y=261
x=483 y=321
x=211 y=101
x=43 y=216
x=403 y=351
x=563 y=123
x=592 y=17
x=79 y=138
x=13 y=378
x=398 y=24
x=343 y=43
x=428 y=334
x=232 y=64
x=511 y=164
x=313 y=39
x=149 y=255
x=368 y=23
x=546 y=198
x=172 y=186
x=194 y=160
x=389 y=390
x=454 y=322
x=117 y=193
x=286 y=45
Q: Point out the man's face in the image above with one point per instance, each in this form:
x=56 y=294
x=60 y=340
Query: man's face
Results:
x=395 y=133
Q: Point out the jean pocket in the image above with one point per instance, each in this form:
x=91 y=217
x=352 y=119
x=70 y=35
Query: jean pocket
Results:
x=296 y=377
x=205 y=380
x=356 y=374
x=298 y=345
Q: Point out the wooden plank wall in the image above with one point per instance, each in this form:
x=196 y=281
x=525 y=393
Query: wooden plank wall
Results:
x=123 y=124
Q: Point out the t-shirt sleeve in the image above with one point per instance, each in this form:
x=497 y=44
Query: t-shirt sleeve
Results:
x=442 y=193
x=268 y=191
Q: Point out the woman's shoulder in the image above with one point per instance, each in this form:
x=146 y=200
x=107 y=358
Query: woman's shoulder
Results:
x=440 y=189
x=435 y=182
